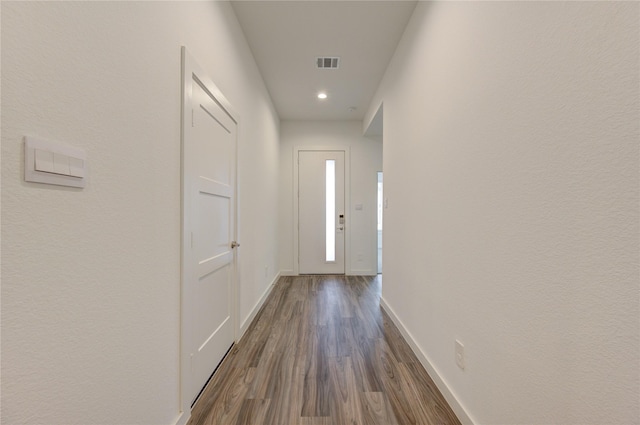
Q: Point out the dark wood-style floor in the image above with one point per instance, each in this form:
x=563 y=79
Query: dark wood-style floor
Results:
x=322 y=352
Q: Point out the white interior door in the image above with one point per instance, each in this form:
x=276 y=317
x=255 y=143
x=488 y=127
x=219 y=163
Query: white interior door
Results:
x=321 y=213
x=209 y=173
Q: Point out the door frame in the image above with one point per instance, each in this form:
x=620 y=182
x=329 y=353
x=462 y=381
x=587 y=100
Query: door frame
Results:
x=347 y=203
x=191 y=69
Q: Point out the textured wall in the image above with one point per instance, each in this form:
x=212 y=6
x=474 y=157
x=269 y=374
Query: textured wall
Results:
x=365 y=162
x=511 y=167
x=91 y=278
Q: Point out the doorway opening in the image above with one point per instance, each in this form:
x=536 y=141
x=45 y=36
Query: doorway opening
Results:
x=380 y=208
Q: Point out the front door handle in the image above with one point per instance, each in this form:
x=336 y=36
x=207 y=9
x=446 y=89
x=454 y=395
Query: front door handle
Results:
x=234 y=244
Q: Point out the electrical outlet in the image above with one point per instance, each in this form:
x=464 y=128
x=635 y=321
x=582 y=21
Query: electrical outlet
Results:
x=460 y=354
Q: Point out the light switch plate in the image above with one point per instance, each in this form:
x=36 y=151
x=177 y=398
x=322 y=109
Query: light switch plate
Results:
x=54 y=163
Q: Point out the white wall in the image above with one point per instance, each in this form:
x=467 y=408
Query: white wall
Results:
x=365 y=162
x=511 y=167
x=91 y=278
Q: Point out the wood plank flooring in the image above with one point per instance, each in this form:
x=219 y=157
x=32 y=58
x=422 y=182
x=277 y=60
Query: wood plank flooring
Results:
x=322 y=352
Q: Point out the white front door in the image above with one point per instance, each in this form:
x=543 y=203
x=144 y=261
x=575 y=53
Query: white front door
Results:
x=321 y=213
x=209 y=211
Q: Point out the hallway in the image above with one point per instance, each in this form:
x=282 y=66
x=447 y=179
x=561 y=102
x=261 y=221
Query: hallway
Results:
x=508 y=135
x=322 y=351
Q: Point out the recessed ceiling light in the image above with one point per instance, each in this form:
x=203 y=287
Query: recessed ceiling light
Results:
x=322 y=95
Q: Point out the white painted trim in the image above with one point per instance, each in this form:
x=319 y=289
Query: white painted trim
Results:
x=295 y=221
x=363 y=272
x=183 y=418
x=287 y=272
x=256 y=308
x=446 y=391
x=347 y=203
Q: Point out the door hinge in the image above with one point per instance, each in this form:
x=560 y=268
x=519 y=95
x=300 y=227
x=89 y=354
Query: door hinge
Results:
x=192 y=118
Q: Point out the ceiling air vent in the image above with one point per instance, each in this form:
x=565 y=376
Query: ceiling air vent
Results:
x=327 y=63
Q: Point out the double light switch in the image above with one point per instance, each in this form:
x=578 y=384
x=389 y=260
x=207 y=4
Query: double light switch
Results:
x=54 y=163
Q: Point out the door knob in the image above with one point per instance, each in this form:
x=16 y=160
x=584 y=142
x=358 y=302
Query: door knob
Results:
x=234 y=244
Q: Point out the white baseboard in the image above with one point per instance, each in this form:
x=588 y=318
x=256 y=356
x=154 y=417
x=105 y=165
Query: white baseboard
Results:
x=362 y=272
x=256 y=308
x=448 y=394
x=183 y=418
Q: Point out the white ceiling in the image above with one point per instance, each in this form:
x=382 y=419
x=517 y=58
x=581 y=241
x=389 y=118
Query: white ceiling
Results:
x=287 y=36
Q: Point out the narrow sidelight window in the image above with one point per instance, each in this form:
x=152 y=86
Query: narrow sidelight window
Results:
x=330 y=210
